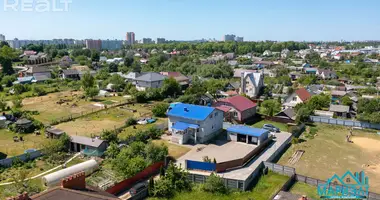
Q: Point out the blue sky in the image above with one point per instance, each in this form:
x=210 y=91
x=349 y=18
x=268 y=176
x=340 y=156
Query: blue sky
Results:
x=195 y=19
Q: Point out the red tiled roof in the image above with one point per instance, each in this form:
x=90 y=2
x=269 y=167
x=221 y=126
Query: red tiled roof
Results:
x=239 y=102
x=303 y=94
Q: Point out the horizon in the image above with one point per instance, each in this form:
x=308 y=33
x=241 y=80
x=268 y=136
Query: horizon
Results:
x=186 y=20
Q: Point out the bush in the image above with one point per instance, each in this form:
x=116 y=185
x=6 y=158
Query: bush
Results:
x=109 y=136
x=295 y=140
x=215 y=184
x=159 y=110
x=131 y=121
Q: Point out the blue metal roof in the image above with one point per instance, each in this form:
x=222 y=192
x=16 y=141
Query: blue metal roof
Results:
x=190 y=111
x=247 y=130
x=183 y=126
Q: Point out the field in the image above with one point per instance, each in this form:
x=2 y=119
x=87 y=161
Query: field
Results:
x=49 y=108
x=305 y=189
x=94 y=124
x=329 y=153
x=175 y=151
x=281 y=126
x=266 y=187
x=11 y=148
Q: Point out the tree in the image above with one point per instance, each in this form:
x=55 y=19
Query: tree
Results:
x=95 y=55
x=3 y=103
x=118 y=82
x=303 y=114
x=346 y=101
x=128 y=61
x=159 y=110
x=109 y=136
x=8 y=80
x=17 y=102
x=91 y=92
x=215 y=184
x=87 y=81
x=112 y=151
x=6 y=63
x=112 y=67
x=151 y=186
x=140 y=97
x=170 y=88
x=36 y=90
x=270 y=107
x=19 y=89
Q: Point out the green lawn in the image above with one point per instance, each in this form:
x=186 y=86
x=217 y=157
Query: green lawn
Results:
x=11 y=148
x=305 y=189
x=266 y=187
x=281 y=126
x=328 y=153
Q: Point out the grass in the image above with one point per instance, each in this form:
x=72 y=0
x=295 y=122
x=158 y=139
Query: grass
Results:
x=281 y=126
x=305 y=189
x=127 y=132
x=327 y=153
x=11 y=148
x=267 y=186
x=175 y=151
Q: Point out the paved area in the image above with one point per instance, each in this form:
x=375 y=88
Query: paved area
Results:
x=221 y=151
x=282 y=139
x=287 y=196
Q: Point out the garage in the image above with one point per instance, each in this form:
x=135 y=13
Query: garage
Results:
x=246 y=134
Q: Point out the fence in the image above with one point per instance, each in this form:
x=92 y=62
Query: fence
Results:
x=289 y=171
x=23 y=157
x=196 y=165
x=344 y=122
x=128 y=183
x=82 y=114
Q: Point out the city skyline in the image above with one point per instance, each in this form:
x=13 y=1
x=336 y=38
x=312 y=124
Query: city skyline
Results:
x=191 y=20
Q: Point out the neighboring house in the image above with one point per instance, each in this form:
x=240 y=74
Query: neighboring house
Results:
x=183 y=80
x=285 y=53
x=251 y=83
x=233 y=62
x=131 y=77
x=336 y=95
x=247 y=134
x=54 y=133
x=40 y=58
x=311 y=70
x=288 y=115
x=38 y=71
x=81 y=73
x=267 y=53
x=234 y=86
x=192 y=123
x=340 y=110
x=294 y=75
x=299 y=96
x=92 y=146
x=66 y=62
x=149 y=80
x=236 y=108
x=230 y=56
x=70 y=74
x=326 y=74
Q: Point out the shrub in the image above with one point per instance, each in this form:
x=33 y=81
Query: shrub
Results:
x=215 y=184
x=295 y=140
x=160 y=109
x=131 y=121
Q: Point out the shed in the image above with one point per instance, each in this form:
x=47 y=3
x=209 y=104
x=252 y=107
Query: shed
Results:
x=340 y=110
x=54 y=179
x=247 y=134
x=54 y=133
x=87 y=145
x=24 y=123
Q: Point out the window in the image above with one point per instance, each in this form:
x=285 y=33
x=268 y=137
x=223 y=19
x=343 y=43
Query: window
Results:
x=348 y=180
x=216 y=114
x=235 y=114
x=212 y=127
x=246 y=90
x=294 y=98
x=172 y=123
x=197 y=130
x=246 y=82
x=210 y=116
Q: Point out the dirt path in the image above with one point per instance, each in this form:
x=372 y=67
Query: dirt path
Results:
x=367 y=144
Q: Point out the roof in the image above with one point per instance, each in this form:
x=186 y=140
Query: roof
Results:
x=303 y=94
x=338 y=93
x=190 y=111
x=70 y=72
x=235 y=85
x=183 y=126
x=86 y=141
x=239 y=102
x=238 y=72
x=339 y=108
x=55 y=131
x=41 y=78
x=59 y=193
x=247 y=130
x=25 y=79
x=38 y=69
x=23 y=121
x=223 y=108
x=150 y=77
x=290 y=113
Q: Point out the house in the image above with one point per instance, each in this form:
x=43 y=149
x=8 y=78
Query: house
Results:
x=310 y=70
x=65 y=62
x=40 y=58
x=234 y=86
x=54 y=133
x=299 y=96
x=183 y=80
x=285 y=53
x=192 y=123
x=340 y=110
x=230 y=56
x=149 y=80
x=237 y=108
x=267 y=53
x=294 y=75
x=83 y=72
x=251 y=83
x=38 y=71
x=70 y=74
x=336 y=95
x=326 y=74
x=288 y=115
x=72 y=187
x=233 y=63
x=246 y=134
x=131 y=77
x=89 y=146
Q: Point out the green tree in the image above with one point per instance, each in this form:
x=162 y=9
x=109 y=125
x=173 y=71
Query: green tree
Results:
x=95 y=55
x=3 y=103
x=170 y=88
x=118 y=82
x=91 y=92
x=17 y=102
x=87 y=81
x=215 y=184
x=112 y=151
x=109 y=136
x=8 y=80
x=303 y=114
x=112 y=67
x=140 y=97
x=6 y=64
x=159 y=110
x=270 y=107
x=346 y=101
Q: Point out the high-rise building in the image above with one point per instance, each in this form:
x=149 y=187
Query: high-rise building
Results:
x=229 y=38
x=14 y=43
x=239 y=39
x=161 y=40
x=2 y=37
x=147 y=41
x=112 y=44
x=130 y=37
x=94 y=44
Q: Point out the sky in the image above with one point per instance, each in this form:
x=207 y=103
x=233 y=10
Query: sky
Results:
x=255 y=20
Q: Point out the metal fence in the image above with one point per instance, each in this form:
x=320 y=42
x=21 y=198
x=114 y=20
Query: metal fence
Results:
x=23 y=157
x=344 y=122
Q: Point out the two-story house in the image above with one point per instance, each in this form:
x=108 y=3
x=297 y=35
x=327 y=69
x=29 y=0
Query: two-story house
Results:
x=149 y=80
x=299 y=96
x=193 y=124
x=237 y=108
x=326 y=74
x=251 y=83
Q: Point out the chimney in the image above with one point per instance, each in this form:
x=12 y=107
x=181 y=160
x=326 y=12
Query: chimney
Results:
x=23 y=196
x=75 y=182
